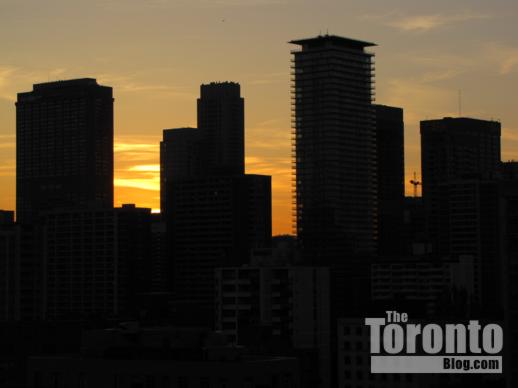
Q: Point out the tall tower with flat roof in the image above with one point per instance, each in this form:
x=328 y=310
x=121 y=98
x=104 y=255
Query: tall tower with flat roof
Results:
x=334 y=149
x=64 y=147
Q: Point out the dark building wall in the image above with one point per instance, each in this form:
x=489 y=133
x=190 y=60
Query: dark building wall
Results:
x=222 y=119
x=29 y=273
x=7 y=266
x=102 y=373
x=391 y=174
x=160 y=266
x=414 y=227
x=334 y=148
x=6 y=217
x=509 y=241
x=452 y=149
x=472 y=224
x=20 y=340
x=64 y=142
x=180 y=158
x=95 y=262
x=280 y=310
x=214 y=222
x=215 y=214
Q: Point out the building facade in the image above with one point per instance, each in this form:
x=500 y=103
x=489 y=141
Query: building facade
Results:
x=334 y=147
x=390 y=173
x=214 y=222
x=8 y=271
x=278 y=309
x=64 y=147
x=95 y=262
x=221 y=116
x=180 y=158
x=161 y=357
x=454 y=149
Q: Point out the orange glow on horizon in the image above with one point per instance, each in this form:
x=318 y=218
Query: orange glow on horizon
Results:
x=156 y=53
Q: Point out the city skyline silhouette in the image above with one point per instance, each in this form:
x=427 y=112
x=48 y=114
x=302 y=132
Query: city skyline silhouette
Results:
x=262 y=260
x=424 y=56
x=247 y=193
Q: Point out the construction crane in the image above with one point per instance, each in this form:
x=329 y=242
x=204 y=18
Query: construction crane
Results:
x=415 y=183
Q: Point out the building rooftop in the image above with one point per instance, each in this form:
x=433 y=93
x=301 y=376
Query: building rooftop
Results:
x=462 y=119
x=63 y=87
x=173 y=133
x=320 y=40
x=65 y=83
x=220 y=89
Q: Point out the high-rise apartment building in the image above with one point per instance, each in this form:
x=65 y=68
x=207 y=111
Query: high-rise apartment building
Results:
x=216 y=147
x=214 y=222
x=216 y=215
x=454 y=149
x=96 y=262
x=391 y=175
x=221 y=116
x=180 y=158
x=280 y=309
x=334 y=147
x=64 y=143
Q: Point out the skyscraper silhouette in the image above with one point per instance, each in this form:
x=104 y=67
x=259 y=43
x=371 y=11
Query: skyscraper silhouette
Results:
x=453 y=149
x=64 y=144
x=215 y=213
x=390 y=173
x=221 y=117
x=214 y=222
x=216 y=147
x=334 y=147
x=180 y=158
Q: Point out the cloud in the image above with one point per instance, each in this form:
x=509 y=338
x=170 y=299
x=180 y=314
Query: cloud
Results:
x=233 y=3
x=11 y=77
x=131 y=83
x=423 y=23
x=420 y=99
x=131 y=151
x=441 y=75
x=7 y=142
x=151 y=184
x=7 y=169
x=6 y=74
x=267 y=136
x=506 y=57
x=135 y=147
x=136 y=161
x=138 y=4
x=145 y=168
x=267 y=78
x=443 y=66
x=7 y=145
x=509 y=135
x=245 y=3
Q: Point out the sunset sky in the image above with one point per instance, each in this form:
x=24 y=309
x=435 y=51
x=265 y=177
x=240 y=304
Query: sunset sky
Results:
x=156 y=53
